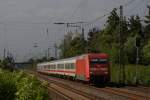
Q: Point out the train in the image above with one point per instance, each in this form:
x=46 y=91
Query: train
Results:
x=92 y=67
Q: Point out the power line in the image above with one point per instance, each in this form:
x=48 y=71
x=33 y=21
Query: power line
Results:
x=80 y=4
x=101 y=17
x=129 y=3
x=93 y=21
x=26 y=23
x=135 y=7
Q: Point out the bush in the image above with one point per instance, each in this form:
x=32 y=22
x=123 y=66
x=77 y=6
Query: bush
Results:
x=146 y=54
x=130 y=72
x=7 y=87
x=20 y=86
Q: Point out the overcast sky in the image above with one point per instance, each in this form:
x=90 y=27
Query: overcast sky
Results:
x=24 y=22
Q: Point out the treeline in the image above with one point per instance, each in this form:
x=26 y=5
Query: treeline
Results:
x=107 y=39
x=7 y=63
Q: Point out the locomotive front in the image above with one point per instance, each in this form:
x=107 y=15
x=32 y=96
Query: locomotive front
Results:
x=99 y=68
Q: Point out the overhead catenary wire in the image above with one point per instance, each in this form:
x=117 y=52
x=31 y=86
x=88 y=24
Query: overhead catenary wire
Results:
x=103 y=16
x=75 y=10
x=128 y=3
x=136 y=6
x=80 y=4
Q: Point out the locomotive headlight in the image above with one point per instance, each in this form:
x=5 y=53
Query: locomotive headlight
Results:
x=106 y=72
x=104 y=69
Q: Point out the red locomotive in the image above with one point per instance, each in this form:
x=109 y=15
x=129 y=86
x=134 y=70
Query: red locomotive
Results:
x=87 y=67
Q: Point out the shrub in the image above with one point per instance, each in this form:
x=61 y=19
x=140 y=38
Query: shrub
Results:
x=20 y=86
x=7 y=87
x=130 y=72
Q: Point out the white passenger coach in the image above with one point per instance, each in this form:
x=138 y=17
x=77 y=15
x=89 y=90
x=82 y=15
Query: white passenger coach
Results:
x=62 y=67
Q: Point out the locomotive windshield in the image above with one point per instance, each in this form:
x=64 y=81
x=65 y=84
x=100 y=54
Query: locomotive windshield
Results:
x=99 y=61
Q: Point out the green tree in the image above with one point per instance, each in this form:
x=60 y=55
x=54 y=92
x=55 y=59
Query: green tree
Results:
x=130 y=50
x=8 y=63
x=146 y=53
x=77 y=46
x=73 y=45
x=135 y=25
x=112 y=25
x=93 y=40
x=147 y=21
x=146 y=40
x=65 y=45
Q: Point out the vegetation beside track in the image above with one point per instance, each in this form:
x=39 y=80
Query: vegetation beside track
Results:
x=17 y=85
x=126 y=40
x=130 y=73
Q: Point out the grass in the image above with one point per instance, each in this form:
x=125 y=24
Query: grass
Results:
x=20 y=86
x=130 y=73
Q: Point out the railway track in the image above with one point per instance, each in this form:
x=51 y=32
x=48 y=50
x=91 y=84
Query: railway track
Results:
x=126 y=93
x=131 y=95
x=70 y=93
x=52 y=88
x=145 y=90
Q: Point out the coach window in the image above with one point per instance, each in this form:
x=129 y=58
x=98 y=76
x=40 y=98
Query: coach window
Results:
x=60 y=66
x=66 y=66
x=72 y=66
x=48 y=67
x=53 y=66
x=69 y=66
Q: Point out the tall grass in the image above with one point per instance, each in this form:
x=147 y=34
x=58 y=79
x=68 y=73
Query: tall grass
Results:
x=130 y=73
x=20 y=86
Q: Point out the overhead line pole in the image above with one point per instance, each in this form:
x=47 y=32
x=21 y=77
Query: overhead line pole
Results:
x=55 y=47
x=120 y=45
x=71 y=25
x=4 y=53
